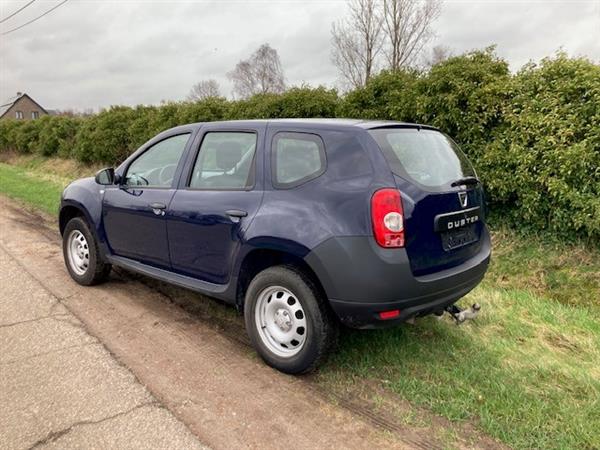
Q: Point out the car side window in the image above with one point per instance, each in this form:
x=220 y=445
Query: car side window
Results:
x=225 y=161
x=156 y=166
x=296 y=158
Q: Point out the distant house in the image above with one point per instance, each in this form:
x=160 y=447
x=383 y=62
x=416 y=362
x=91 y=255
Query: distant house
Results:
x=22 y=107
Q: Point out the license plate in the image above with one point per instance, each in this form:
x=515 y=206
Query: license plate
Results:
x=458 y=238
x=456 y=220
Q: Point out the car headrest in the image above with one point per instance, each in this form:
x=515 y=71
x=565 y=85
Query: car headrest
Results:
x=229 y=154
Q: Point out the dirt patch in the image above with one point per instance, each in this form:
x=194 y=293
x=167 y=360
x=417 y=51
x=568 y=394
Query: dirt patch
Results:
x=368 y=400
x=559 y=341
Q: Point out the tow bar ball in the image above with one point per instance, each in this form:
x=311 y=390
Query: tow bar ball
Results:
x=462 y=315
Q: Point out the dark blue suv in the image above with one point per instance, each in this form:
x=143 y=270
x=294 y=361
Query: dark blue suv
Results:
x=303 y=224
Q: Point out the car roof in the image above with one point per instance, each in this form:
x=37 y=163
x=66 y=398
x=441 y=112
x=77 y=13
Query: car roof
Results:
x=324 y=123
x=365 y=124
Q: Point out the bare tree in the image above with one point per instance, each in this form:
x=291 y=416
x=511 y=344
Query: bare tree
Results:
x=357 y=42
x=203 y=90
x=396 y=29
x=244 y=81
x=268 y=70
x=439 y=53
x=260 y=74
x=407 y=28
x=347 y=56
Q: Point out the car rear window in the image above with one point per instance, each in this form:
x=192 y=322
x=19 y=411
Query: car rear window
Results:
x=426 y=157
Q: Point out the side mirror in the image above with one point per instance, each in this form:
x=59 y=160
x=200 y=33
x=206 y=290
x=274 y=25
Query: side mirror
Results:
x=106 y=176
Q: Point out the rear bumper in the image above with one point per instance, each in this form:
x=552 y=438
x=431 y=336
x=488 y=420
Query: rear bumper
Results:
x=366 y=315
x=362 y=279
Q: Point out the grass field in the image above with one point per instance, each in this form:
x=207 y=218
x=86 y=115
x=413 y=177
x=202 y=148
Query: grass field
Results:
x=38 y=181
x=526 y=372
x=36 y=191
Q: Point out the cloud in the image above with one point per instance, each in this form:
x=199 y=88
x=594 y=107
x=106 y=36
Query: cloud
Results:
x=523 y=31
x=94 y=54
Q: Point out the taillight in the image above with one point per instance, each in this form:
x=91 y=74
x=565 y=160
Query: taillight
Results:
x=388 y=218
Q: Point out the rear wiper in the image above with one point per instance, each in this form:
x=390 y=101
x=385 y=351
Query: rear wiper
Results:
x=466 y=181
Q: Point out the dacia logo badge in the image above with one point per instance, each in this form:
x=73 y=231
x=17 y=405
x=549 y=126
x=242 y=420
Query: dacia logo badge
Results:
x=463 y=199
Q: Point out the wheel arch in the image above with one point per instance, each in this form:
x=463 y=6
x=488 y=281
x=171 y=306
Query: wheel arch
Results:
x=70 y=209
x=259 y=258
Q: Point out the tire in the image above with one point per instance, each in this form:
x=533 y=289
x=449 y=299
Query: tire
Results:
x=289 y=324
x=81 y=254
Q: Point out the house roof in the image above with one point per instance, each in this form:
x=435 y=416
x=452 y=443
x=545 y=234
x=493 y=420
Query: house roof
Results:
x=12 y=100
x=7 y=104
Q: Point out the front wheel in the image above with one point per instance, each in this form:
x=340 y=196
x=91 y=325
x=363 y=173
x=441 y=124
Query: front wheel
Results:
x=81 y=253
x=287 y=321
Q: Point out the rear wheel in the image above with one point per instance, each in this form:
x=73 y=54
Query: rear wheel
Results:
x=81 y=254
x=288 y=322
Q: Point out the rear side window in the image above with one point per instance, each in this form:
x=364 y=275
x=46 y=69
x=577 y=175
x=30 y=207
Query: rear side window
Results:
x=427 y=157
x=225 y=161
x=296 y=159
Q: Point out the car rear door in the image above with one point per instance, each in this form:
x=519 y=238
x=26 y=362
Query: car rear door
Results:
x=218 y=196
x=134 y=212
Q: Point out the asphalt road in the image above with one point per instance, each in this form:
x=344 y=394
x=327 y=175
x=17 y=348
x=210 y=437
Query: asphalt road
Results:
x=121 y=366
x=60 y=387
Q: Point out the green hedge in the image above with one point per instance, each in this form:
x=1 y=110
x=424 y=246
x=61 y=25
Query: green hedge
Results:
x=542 y=162
x=533 y=136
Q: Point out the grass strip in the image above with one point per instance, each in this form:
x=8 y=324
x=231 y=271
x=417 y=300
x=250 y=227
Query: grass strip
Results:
x=20 y=184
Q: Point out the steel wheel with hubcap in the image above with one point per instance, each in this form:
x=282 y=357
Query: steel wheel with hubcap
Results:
x=81 y=254
x=287 y=320
x=78 y=252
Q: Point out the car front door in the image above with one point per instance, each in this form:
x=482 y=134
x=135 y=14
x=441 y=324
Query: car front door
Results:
x=218 y=196
x=134 y=212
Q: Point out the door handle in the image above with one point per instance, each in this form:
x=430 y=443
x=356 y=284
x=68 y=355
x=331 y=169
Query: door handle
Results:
x=238 y=213
x=158 y=208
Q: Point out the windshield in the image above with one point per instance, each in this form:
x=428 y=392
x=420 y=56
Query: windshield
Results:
x=426 y=157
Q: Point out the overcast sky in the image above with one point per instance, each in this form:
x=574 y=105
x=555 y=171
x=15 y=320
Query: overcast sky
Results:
x=90 y=54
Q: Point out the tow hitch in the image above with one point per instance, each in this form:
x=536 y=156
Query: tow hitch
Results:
x=462 y=315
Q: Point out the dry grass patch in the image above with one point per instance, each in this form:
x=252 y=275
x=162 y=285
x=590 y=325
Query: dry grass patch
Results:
x=55 y=170
x=565 y=272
